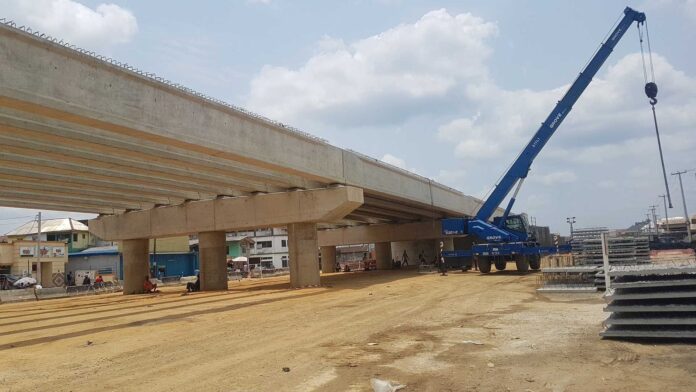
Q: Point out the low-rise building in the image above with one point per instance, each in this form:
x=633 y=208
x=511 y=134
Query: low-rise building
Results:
x=71 y=232
x=169 y=257
x=270 y=247
x=21 y=257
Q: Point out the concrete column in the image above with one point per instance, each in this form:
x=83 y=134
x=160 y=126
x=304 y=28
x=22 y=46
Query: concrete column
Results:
x=383 y=253
x=328 y=259
x=212 y=255
x=46 y=274
x=136 y=265
x=304 y=255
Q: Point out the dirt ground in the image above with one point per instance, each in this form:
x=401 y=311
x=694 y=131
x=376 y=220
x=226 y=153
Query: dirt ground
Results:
x=462 y=332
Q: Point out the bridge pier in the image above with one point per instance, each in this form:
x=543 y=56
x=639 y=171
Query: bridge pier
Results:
x=383 y=253
x=303 y=253
x=328 y=259
x=136 y=265
x=213 y=260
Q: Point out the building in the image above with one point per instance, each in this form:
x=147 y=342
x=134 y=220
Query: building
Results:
x=71 y=232
x=19 y=257
x=169 y=258
x=237 y=245
x=270 y=247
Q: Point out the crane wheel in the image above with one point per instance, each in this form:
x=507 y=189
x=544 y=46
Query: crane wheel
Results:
x=484 y=264
x=535 y=262
x=522 y=264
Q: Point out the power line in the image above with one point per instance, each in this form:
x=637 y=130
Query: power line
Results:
x=17 y=217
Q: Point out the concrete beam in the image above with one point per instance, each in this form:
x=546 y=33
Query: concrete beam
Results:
x=227 y=214
x=425 y=230
x=49 y=81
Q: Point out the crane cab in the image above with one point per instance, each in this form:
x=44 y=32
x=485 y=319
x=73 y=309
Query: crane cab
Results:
x=517 y=224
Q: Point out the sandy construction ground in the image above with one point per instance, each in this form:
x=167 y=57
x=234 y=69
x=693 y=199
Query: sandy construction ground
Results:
x=462 y=332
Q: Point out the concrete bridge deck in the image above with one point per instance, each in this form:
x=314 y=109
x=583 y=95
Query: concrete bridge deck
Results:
x=82 y=134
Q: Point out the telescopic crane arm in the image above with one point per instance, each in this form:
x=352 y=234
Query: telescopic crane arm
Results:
x=518 y=171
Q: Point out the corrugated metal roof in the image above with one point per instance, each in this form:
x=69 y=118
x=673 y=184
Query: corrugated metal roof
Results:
x=110 y=249
x=49 y=226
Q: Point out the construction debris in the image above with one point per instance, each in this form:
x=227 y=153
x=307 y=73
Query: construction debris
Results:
x=652 y=301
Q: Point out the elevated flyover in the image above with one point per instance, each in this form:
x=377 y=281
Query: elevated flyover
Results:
x=80 y=132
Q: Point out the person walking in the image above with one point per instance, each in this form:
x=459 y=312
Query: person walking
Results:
x=443 y=266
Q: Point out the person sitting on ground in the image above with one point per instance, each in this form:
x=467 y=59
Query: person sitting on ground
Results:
x=191 y=286
x=87 y=281
x=149 y=286
x=99 y=281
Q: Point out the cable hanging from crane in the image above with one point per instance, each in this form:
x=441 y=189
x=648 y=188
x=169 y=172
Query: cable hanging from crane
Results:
x=651 y=92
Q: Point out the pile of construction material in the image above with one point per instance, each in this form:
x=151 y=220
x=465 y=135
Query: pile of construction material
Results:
x=572 y=279
x=624 y=250
x=652 y=301
x=587 y=272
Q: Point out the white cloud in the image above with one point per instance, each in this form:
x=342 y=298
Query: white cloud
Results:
x=400 y=67
x=98 y=28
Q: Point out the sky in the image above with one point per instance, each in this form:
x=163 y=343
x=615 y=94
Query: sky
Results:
x=451 y=90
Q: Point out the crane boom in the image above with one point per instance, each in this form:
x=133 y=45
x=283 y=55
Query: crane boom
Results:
x=518 y=170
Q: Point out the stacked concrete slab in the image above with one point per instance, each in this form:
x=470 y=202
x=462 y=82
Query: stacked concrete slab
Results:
x=623 y=250
x=652 y=301
x=568 y=279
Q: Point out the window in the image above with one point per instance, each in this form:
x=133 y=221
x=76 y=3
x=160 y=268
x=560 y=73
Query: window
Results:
x=105 y=271
x=264 y=244
x=284 y=261
x=284 y=243
x=74 y=237
x=267 y=262
x=515 y=223
x=5 y=269
x=84 y=236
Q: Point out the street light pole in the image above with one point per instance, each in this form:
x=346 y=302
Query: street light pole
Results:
x=686 y=214
x=570 y=221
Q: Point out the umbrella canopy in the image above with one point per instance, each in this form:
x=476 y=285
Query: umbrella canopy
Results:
x=24 y=282
x=240 y=258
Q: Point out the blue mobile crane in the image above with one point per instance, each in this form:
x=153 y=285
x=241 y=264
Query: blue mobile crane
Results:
x=507 y=237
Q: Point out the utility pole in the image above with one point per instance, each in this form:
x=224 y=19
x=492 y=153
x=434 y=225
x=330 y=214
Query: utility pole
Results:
x=686 y=214
x=647 y=214
x=664 y=202
x=570 y=221
x=38 y=253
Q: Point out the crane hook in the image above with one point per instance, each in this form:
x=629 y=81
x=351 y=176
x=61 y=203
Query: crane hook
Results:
x=651 y=92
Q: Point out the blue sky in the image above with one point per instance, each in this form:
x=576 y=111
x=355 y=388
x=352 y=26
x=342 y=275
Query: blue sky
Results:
x=449 y=89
